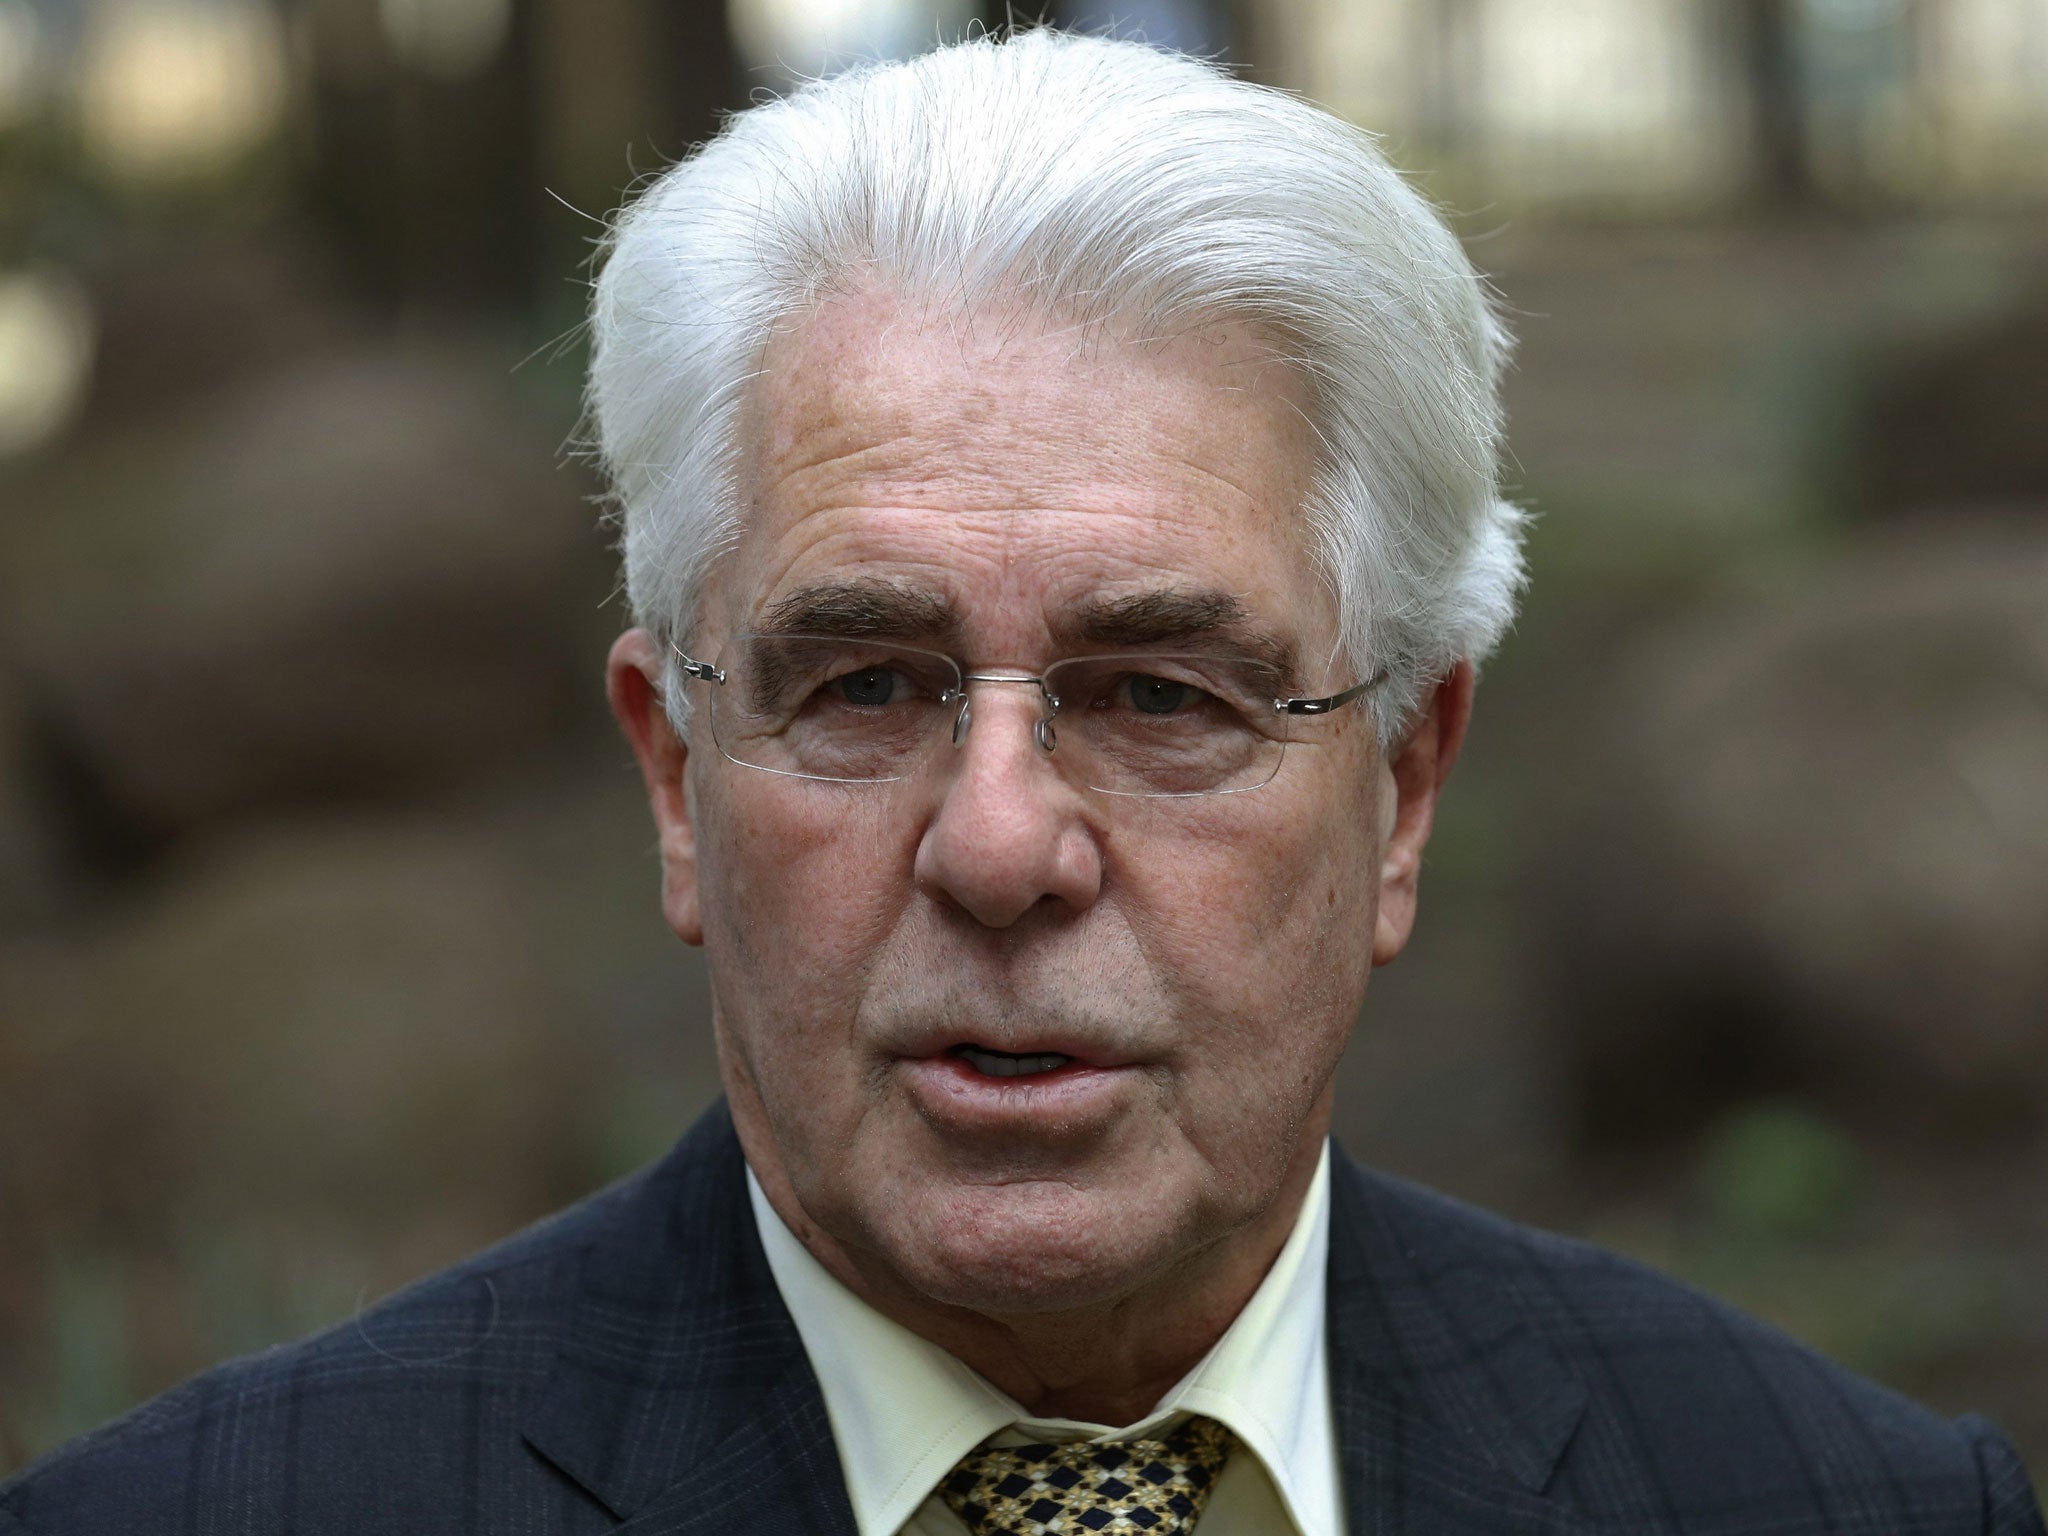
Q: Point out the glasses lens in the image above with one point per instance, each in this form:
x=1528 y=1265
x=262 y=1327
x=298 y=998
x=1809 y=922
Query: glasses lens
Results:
x=1168 y=725
x=856 y=711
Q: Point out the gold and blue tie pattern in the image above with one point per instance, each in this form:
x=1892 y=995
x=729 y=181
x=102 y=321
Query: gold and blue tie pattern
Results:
x=1090 y=1488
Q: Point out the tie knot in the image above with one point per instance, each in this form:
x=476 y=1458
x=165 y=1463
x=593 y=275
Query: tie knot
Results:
x=1092 y=1487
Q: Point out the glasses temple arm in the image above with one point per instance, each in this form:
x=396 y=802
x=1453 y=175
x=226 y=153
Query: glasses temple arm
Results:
x=703 y=670
x=1323 y=706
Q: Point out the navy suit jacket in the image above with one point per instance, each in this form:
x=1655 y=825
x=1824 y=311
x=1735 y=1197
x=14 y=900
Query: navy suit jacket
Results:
x=629 y=1366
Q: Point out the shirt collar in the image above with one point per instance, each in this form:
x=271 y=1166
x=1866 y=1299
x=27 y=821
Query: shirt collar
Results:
x=904 y=1411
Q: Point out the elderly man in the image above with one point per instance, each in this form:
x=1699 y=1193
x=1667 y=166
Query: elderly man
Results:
x=1058 y=496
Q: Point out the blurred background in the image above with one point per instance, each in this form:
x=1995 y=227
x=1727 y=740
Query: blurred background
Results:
x=329 y=946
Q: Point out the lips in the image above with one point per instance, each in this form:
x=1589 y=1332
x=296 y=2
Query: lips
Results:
x=1033 y=1090
x=987 y=1046
x=993 y=1063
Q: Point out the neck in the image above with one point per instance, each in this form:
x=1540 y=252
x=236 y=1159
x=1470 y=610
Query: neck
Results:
x=1109 y=1363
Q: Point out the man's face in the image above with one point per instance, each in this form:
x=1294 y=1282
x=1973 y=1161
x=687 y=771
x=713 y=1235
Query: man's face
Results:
x=1199 y=960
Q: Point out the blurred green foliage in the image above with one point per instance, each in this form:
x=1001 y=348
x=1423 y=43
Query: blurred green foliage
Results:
x=1779 y=1171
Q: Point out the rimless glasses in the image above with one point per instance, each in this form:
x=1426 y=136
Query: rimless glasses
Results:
x=859 y=711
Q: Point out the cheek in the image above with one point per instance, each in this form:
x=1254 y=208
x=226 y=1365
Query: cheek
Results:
x=802 y=886
x=1263 y=923
x=1251 y=938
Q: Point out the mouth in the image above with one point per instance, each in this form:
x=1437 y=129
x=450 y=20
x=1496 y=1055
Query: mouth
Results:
x=969 y=1087
x=993 y=1063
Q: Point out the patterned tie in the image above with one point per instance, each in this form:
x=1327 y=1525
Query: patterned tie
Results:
x=1091 y=1488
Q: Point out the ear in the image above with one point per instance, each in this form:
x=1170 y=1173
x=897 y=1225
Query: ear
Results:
x=633 y=683
x=1415 y=770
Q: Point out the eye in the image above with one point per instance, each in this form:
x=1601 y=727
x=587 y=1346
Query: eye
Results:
x=869 y=687
x=1157 y=695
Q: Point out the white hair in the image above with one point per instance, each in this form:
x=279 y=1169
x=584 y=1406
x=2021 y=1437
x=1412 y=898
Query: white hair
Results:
x=1092 y=180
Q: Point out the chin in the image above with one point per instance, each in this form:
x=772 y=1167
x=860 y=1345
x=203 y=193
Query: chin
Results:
x=1029 y=1247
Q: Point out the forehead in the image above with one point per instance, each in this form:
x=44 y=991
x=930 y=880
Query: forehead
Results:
x=1016 y=470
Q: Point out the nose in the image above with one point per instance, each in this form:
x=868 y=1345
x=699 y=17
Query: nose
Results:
x=1008 y=831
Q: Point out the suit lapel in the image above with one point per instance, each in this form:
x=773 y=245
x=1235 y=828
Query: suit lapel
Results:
x=1451 y=1412
x=681 y=1397
x=777 y=1474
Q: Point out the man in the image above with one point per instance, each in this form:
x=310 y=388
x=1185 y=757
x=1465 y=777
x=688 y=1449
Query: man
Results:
x=1058 y=496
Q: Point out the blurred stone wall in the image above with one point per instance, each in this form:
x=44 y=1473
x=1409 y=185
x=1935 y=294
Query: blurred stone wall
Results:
x=328 y=947
x=1734 y=941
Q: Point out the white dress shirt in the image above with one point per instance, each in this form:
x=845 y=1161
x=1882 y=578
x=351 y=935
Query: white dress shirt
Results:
x=904 y=1411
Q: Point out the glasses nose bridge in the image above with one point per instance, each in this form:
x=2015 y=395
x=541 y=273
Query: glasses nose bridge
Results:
x=1041 y=730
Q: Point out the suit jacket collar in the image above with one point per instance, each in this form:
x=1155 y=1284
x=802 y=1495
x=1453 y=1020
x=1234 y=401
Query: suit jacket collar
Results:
x=1452 y=1412
x=683 y=1401
x=681 y=1397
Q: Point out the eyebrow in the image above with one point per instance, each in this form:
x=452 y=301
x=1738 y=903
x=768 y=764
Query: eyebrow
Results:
x=867 y=609
x=1211 y=619
x=862 y=609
